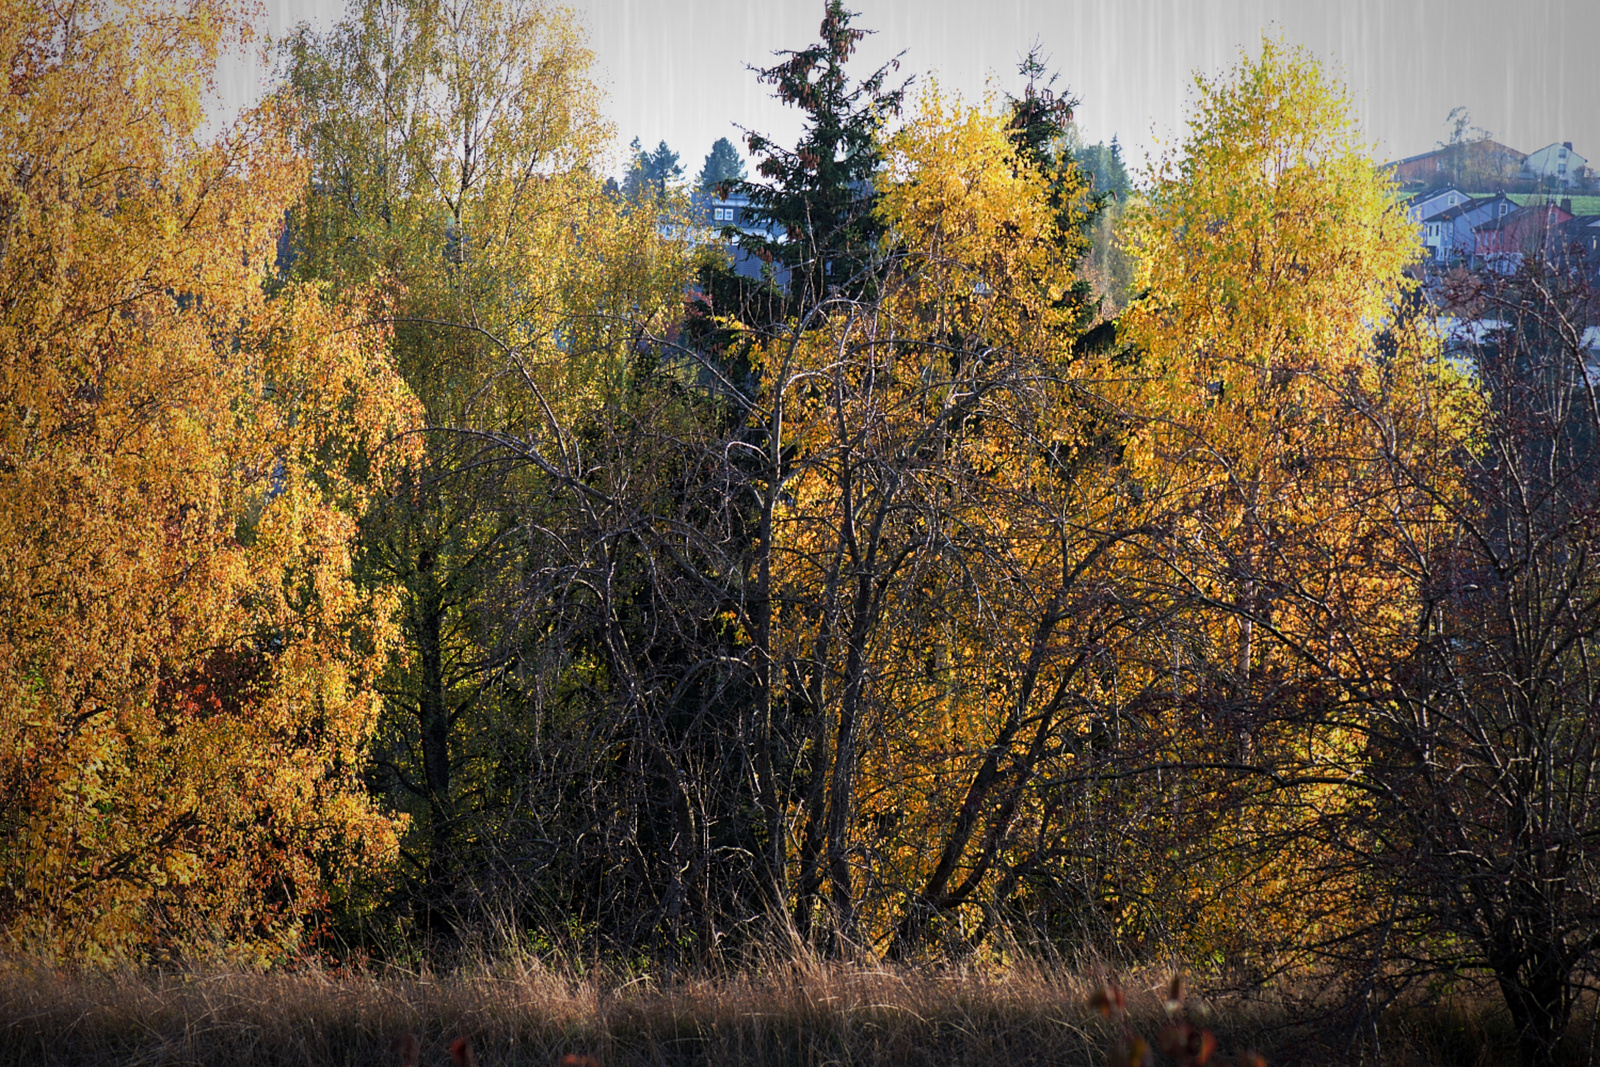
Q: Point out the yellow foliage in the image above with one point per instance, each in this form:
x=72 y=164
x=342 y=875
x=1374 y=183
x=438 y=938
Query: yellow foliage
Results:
x=186 y=666
x=929 y=544
x=984 y=252
x=1281 y=385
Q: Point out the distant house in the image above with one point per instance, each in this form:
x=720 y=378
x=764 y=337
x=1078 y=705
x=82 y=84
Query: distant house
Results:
x=728 y=211
x=1424 y=209
x=1416 y=169
x=1479 y=165
x=725 y=214
x=1555 y=164
x=1449 y=233
x=1503 y=243
x=1424 y=206
x=1578 y=246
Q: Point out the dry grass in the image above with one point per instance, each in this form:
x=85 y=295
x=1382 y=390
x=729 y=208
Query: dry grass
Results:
x=792 y=1015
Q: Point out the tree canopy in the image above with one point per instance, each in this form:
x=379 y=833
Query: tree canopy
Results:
x=651 y=173
x=407 y=537
x=188 y=668
x=817 y=197
x=723 y=164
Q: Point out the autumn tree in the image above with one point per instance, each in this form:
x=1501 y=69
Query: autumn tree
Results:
x=895 y=433
x=455 y=193
x=1034 y=607
x=936 y=516
x=1469 y=159
x=187 y=667
x=916 y=491
x=1271 y=255
x=1481 y=749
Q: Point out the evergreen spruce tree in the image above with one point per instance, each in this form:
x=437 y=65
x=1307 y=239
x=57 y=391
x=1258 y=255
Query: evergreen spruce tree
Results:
x=650 y=173
x=1041 y=128
x=723 y=164
x=818 y=197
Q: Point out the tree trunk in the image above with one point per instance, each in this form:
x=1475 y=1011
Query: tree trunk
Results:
x=433 y=708
x=1536 y=989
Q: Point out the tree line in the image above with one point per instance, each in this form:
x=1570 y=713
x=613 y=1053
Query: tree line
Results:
x=405 y=532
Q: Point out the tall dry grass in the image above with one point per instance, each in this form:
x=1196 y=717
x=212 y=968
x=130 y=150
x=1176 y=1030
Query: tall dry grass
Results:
x=793 y=1014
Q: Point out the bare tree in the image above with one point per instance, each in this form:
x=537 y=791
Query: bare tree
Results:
x=1483 y=820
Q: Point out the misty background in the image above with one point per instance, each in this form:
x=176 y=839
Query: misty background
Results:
x=1529 y=72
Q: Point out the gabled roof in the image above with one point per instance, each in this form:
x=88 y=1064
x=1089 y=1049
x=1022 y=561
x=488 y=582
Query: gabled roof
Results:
x=1424 y=197
x=1557 y=146
x=1521 y=215
x=1498 y=147
x=1413 y=159
x=1486 y=143
x=1452 y=213
x=1578 y=223
x=1415 y=203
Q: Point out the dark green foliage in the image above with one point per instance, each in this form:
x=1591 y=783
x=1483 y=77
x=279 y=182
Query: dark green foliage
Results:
x=723 y=164
x=1102 y=164
x=818 y=196
x=651 y=173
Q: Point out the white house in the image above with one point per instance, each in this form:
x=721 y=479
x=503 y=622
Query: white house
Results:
x=1555 y=163
x=1425 y=207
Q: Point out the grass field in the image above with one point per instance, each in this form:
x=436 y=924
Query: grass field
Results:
x=793 y=1015
x=1581 y=205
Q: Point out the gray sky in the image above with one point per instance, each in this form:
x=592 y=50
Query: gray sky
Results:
x=1529 y=71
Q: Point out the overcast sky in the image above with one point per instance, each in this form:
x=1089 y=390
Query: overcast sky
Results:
x=1529 y=71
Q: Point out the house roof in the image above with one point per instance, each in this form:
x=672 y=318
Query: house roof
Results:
x=1520 y=216
x=1557 y=146
x=1422 y=198
x=1452 y=213
x=1575 y=226
x=1415 y=204
x=1485 y=144
x=1413 y=159
x=1497 y=146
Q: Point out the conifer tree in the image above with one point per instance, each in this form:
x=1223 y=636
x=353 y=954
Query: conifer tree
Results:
x=818 y=196
x=722 y=165
x=651 y=173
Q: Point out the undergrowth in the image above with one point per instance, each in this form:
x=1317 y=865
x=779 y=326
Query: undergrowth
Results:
x=797 y=1013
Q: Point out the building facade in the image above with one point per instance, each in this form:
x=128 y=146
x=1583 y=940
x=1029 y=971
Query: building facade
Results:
x=1556 y=164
